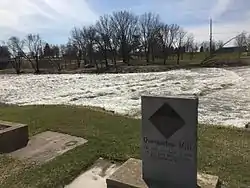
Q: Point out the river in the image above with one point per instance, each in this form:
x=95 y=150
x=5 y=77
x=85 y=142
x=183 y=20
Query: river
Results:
x=224 y=94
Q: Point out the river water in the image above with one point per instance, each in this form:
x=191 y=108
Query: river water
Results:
x=224 y=94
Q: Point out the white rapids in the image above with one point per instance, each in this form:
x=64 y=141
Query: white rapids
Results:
x=224 y=94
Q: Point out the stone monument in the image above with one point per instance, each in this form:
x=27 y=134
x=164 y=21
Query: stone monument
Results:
x=169 y=134
x=168 y=147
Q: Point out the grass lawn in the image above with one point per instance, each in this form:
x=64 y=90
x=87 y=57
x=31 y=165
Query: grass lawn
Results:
x=198 y=57
x=222 y=151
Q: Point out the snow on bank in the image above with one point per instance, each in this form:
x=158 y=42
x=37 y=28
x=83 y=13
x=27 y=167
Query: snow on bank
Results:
x=224 y=94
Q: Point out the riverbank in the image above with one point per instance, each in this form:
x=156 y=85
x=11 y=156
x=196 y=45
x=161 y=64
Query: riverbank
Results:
x=121 y=68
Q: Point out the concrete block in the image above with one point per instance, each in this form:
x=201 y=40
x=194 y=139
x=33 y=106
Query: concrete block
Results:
x=13 y=136
x=129 y=175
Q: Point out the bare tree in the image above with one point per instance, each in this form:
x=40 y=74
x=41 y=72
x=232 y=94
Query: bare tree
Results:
x=51 y=53
x=149 y=24
x=248 y=44
x=241 y=42
x=35 y=46
x=89 y=34
x=104 y=38
x=180 y=41
x=16 y=46
x=190 y=45
x=219 y=44
x=189 y=42
x=115 y=44
x=62 y=50
x=78 y=38
x=168 y=35
x=55 y=51
x=205 y=45
x=124 y=27
x=85 y=41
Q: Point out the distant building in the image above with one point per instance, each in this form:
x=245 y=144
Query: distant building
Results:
x=232 y=49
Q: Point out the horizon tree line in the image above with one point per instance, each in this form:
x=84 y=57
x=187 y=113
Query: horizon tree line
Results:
x=121 y=35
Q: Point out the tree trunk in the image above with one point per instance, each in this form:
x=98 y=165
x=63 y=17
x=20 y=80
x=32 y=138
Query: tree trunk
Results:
x=127 y=57
x=19 y=66
x=115 y=66
x=15 y=65
x=164 y=56
x=123 y=54
x=59 y=67
x=146 y=54
x=101 y=65
x=90 y=57
x=191 y=55
x=239 y=53
x=78 y=63
x=178 y=57
x=97 y=67
x=114 y=60
x=152 y=54
x=106 y=57
x=37 y=64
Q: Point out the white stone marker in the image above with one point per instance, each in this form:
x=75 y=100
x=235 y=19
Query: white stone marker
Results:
x=169 y=141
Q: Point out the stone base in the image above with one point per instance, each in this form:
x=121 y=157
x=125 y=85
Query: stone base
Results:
x=129 y=175
x=13 y=136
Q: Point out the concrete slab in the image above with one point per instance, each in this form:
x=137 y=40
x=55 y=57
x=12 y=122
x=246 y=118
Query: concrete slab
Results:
x=46 y=146
x=96 y=176
x=129 y=175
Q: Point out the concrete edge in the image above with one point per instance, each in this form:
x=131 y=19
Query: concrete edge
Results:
x=11 y=126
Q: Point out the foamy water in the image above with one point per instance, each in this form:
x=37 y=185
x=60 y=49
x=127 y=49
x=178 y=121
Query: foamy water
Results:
x=224 y=94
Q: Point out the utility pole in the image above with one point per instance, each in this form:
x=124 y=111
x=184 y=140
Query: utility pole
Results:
x=211 y=36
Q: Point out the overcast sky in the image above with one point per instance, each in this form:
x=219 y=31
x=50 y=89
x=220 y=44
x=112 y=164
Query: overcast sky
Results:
x=53 y=19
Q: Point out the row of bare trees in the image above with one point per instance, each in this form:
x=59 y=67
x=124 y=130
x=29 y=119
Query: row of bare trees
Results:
x=32 y=49
x=16 y=51
x=123 y=35
x=118 y=36
x=242 y=40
